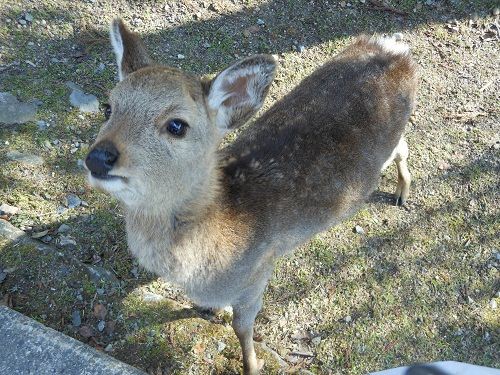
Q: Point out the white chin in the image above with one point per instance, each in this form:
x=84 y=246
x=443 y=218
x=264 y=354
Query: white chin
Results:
x=117 y=187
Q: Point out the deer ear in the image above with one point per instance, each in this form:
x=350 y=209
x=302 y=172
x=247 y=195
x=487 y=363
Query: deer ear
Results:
x=131 y=54
x=239 y=91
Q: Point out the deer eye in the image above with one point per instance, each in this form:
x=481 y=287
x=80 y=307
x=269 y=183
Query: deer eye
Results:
x=176 y=127
x=107 y=111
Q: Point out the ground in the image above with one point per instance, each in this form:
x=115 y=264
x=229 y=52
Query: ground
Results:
x=419 y=284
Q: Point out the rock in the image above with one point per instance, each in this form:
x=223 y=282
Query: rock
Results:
x=316 y=340
x=359 y=230
x=42 y=125
x=398 y=37
x=37 y=235
x=100 y=68
x=348 y=319
x=66 y=241
x=46 y=239
x=493 y=304
x=12 y=111
x=301 y=49
x=8 y=210
x=24 y=158
x=206 y=45
x=101 y=325
x=63 y=228
x=181 y=56
x=100 y=311
x=84 y=102
x=22 y=22
x=260 y=22
x=3 y=276
x=60 y=210
x=28 y=17
x=86 y=331
x=108 y=348
x=73 y=201
x=152 y=297
x=76 y=318
x=220 y=346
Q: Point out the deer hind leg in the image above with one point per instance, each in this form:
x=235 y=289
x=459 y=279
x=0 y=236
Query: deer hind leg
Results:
x=400 y=157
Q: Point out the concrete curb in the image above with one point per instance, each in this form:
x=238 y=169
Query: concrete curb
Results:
x=28 y=347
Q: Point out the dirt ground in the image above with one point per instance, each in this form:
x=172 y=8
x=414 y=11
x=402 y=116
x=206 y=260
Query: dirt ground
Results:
x=420 y=284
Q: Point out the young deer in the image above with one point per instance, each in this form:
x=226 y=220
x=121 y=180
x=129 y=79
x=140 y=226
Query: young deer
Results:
x=214 y=221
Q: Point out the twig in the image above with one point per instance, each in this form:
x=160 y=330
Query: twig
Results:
x=377 y=5
x=488 y=84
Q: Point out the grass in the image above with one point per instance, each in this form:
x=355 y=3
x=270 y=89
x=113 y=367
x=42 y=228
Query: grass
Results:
x=416 y=287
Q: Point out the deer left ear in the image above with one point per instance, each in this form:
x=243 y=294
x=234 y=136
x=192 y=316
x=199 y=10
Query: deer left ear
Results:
x=130 y=52
x=238 y=92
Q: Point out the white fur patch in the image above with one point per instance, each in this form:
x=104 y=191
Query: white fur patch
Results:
x=117 y=43
x=392 y=45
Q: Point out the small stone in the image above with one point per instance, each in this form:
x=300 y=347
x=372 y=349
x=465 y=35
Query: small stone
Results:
x=72 y=201
x=101 y=325
x=76 y=318
x=86 y=331
x=37 y=235
x=348 y=319
x=66 y=241
x=359 y=230
x=496 y=11
x=100 y=291
x=73 y=150
x=28 y=17
x=206 y=45
x=100 y=311
x=22 y=22
x=135 y=272
x=152 y=297
x=60 y=210
x=31 y=44
x=260 y=22
x=301 y=49
x=220 y=346
x=181 y=56
x=46 y=239
x=493 y=304
x=316 y=340
x=43 y=22
x=42 y=125
x=63 y=228
x=12 y=111
x=8 y=210
x=84 y=102
x=108 y=348
x=3 y=276
x=100 y=68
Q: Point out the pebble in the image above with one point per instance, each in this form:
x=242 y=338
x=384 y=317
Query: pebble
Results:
x=72 y=201
x=316 y=340
x=108 y=348
x=260 y=22
x=79 y=99
x=101 y=325
x=493 y=304
x=46 y=239
x=22 y=22
x=66 y=240
x=301 y=49
x=207 y=45
x=348 y=319
x=8 y=210
x=359 y=230
x=100 y=68
x=76 y=318
x=28 y=17
x=12 y=111
x=24 y=158
x=152 y=297
x=220 y=346
x=181 y=56
x=398 y=37
x=42 y=125
x=63 y=228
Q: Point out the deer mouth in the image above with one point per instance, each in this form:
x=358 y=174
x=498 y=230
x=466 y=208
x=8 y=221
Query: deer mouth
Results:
x=108 y=177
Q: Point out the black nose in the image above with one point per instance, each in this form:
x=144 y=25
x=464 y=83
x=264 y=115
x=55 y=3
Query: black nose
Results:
x=101 y=159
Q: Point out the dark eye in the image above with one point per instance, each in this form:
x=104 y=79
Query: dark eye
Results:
x=107 y=111
x=176 y=127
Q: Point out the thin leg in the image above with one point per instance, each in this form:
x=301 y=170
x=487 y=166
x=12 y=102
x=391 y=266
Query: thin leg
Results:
x=243 y=322
x=404 y=177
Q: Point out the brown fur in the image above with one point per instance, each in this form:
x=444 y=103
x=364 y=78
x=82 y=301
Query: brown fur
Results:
x=214 y=221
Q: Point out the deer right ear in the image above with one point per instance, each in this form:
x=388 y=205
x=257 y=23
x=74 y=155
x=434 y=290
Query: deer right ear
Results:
x=131 y=54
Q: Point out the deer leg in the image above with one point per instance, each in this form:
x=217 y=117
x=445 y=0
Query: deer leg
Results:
x=243 y=322
x=404 y=177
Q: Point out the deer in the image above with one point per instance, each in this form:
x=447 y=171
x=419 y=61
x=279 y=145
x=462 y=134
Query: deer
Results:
x=214 y=219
